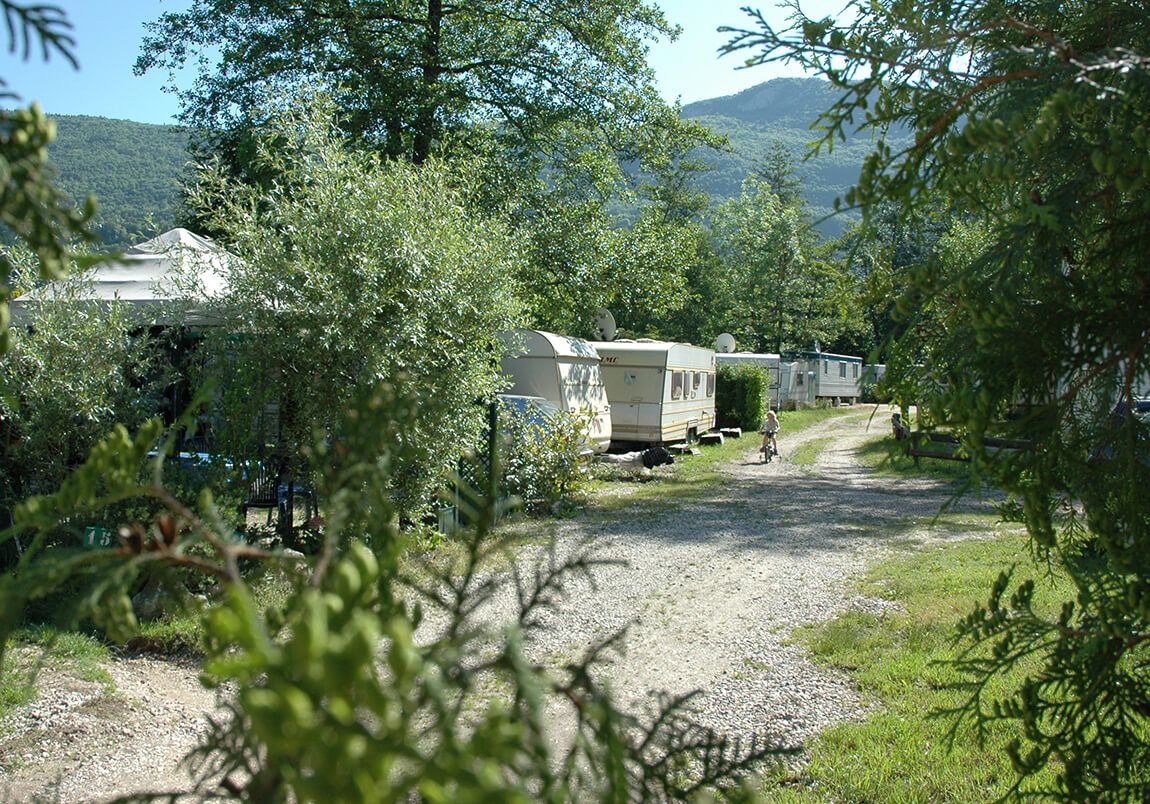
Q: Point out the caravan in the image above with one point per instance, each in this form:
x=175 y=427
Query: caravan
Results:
x=565 y=372
x=660 y=392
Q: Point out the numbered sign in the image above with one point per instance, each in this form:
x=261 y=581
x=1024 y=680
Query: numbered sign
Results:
x=97 y=538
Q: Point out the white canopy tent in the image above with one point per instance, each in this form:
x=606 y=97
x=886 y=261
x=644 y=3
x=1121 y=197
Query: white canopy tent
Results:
x=151 y=277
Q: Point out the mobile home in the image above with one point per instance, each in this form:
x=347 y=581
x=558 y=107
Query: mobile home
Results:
x=564 y=371
x=660 y=392
x=837 y=378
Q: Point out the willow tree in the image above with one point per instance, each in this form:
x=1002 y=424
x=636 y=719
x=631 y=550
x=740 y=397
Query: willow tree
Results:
x=1029 y=118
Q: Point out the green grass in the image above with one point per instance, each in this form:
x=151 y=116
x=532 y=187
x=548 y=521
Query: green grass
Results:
x=34 y=647
x=694 y=477
x=793 y=421
x=898 y=662
x=888 y=457
x=807 y=453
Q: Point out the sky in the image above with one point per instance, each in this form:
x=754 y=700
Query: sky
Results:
x=108 y=35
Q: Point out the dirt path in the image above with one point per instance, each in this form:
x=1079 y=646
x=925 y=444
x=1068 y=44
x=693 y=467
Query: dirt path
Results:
x=713 y=588
x=710 y=590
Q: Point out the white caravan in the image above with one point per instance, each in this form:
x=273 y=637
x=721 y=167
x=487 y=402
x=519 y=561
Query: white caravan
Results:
x=564 y=371
x=660 y=392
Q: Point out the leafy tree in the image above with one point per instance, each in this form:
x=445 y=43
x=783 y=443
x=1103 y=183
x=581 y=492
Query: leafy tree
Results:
x=584 y=252
x=33 y=213
x=773 y=291
x=352 y=271
x=406 y=73
x=880 y=258
x=66 y=382
x=1030 y=120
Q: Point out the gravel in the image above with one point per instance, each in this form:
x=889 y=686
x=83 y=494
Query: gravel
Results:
x=709 y=590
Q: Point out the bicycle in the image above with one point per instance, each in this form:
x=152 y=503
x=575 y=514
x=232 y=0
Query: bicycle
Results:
x=767 y=450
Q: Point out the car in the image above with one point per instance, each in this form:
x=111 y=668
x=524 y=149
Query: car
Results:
x=535 y=409
x=539 y=412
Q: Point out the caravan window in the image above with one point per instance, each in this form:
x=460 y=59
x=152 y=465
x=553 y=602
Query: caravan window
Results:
x=826 y=367
x=676 y=385
x=843 y=370
x=855 y=370
x=710 y=385
x=697 y=383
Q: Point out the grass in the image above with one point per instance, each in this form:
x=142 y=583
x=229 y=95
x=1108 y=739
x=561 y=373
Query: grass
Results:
x=693 y=477
x=807 y=453
x=887 y=457
x=34 y=647
x=792 y=421
x=898 y=661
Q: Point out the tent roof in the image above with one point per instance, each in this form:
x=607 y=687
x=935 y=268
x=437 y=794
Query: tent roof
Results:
x=176 y=264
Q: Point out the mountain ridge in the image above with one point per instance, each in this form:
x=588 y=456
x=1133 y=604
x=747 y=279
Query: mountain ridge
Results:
x=134 y=169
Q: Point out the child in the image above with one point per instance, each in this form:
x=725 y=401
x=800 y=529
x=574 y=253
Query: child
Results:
x=769 y=429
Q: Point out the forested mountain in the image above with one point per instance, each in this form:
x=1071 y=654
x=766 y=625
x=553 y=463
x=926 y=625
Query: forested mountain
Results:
x=133 y=169
x=782 y=110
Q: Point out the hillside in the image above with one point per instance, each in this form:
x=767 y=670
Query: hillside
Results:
x=782 y=110
x=133 y=169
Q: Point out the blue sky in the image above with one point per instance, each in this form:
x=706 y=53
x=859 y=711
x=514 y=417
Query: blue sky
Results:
x=108 y=35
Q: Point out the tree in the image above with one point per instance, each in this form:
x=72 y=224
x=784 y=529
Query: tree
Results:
x=353 y=271
x=772 y=292
x=587 y=246
x=33 y=213
x=777 y=170
x=1030 y=121
x=66 y=381
x=405 y=74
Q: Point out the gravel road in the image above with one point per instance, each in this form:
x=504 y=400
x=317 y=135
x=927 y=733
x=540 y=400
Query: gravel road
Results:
x=710 y=590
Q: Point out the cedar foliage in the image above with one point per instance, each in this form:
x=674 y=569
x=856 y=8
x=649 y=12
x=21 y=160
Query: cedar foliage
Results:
x=1028 y=321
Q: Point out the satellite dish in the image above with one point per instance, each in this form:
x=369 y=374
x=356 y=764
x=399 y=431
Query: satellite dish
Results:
x=725 y=343
x=605 y=322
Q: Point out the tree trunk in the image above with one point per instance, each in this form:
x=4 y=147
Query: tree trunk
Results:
x=432 y=69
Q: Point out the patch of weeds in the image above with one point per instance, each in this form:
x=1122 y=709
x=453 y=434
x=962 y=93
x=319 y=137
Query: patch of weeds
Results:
x=899 y=662
x=16 y=687
x=171 y=635
x=808 y=452
x=756 y=665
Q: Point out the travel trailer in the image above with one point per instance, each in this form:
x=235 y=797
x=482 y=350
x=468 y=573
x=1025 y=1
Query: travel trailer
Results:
x=564 y=371
x=660 y=392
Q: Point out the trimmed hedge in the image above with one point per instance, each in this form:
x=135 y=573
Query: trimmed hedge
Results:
x=741 y=396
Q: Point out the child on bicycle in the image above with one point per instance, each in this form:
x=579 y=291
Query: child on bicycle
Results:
x=770 y=429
